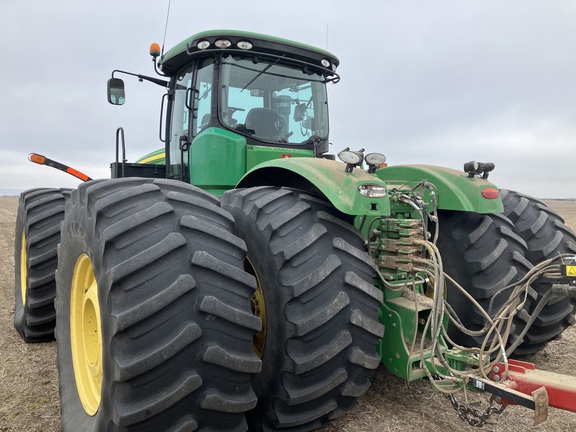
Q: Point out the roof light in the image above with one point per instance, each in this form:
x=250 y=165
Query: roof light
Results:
x=375 y=158
x=326 y=63
x=203 y=44
x=350 y=157
x=223 y=43
x=372 y=190
x=474 y=168
x=154 y=50
x=374 y=161
x=245 y=45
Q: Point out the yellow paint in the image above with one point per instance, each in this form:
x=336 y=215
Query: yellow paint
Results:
x=259 y=309
x=23 y=268
x=154 y=158
x=86 y=335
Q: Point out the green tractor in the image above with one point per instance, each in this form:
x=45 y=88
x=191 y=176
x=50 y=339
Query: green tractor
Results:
x=241 y=278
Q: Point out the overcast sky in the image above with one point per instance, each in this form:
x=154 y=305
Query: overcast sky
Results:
x=423 y=81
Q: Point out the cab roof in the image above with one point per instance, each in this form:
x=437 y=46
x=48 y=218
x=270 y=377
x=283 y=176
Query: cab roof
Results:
x=180 y=55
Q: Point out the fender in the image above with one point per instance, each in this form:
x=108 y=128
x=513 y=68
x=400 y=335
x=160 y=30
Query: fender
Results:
x=325 y=177
x=454 y=189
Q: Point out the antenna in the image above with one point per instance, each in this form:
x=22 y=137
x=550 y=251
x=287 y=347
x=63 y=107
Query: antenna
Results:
x=326 y=36
x=166 y=26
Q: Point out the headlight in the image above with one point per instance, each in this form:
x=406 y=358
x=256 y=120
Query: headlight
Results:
x=203 y=44
x=372 y=190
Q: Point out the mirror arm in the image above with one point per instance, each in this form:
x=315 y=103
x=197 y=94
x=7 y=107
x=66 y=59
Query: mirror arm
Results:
x=157 y=81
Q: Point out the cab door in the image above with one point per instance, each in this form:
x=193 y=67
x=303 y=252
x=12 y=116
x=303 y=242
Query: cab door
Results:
x=192 y=112
x=180 y=121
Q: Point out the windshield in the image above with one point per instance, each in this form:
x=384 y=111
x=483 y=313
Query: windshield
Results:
x=273 y=102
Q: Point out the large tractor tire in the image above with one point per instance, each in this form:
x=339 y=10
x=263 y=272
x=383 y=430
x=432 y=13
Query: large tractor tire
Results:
x=40 y=212
x=318 y=304
x=154 y=328
x=544 y=232
x=483 y=254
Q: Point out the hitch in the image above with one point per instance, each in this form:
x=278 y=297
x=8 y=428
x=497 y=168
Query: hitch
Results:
x=523 y=384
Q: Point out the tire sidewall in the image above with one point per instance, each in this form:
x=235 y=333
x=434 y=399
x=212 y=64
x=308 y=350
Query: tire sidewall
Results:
x=76 y=242
x=293 y=240
x=21 y=227
x=273 y=356
x=201 y=350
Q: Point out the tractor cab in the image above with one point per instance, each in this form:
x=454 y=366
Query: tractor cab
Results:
x=237 y=99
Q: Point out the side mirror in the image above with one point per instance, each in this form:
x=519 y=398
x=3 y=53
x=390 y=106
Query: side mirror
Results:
x=116 y=91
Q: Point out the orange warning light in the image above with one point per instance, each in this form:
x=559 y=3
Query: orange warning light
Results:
x=36 y=158
x=154 y=50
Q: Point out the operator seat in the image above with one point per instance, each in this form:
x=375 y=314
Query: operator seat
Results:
x=263 y=121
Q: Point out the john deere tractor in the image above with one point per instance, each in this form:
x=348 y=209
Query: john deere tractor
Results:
x=243 y=278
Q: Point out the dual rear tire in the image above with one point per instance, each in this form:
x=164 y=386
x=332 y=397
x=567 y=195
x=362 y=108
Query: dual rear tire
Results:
x=157 y=315
x=485 y=253
x=546 y=237
x=154 y=327
x=40 y=212
x=320 y=307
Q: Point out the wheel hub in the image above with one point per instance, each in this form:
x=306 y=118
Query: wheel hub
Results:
x=86 y=335
x=258 y=309
x=23 y=269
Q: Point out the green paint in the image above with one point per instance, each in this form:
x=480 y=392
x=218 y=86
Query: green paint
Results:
x=217 y=160
x=454 y=189
x=325 y=176
x=404 y=320
x=259 y=154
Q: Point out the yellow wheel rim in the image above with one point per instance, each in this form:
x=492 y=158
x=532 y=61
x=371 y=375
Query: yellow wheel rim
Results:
x=86 y=335
x=258 y=309
x=23 y=269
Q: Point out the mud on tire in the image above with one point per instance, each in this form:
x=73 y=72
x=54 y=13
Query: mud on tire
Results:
x=546 y=236
x=173 y=306
x=40 y=212
x=320 y=307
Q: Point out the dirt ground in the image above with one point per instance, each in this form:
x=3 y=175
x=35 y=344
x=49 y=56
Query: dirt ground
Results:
x=29 y=382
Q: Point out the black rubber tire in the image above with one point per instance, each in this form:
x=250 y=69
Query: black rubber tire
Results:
x=483 y=254
x=174 y=303
x=40 y=212
x=544 y=232
x=321 y=307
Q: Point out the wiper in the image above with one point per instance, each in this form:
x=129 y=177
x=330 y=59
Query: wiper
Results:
x=262 y=71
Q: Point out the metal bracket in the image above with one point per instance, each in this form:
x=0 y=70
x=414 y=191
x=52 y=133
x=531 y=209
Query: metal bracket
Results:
x=522 y=384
